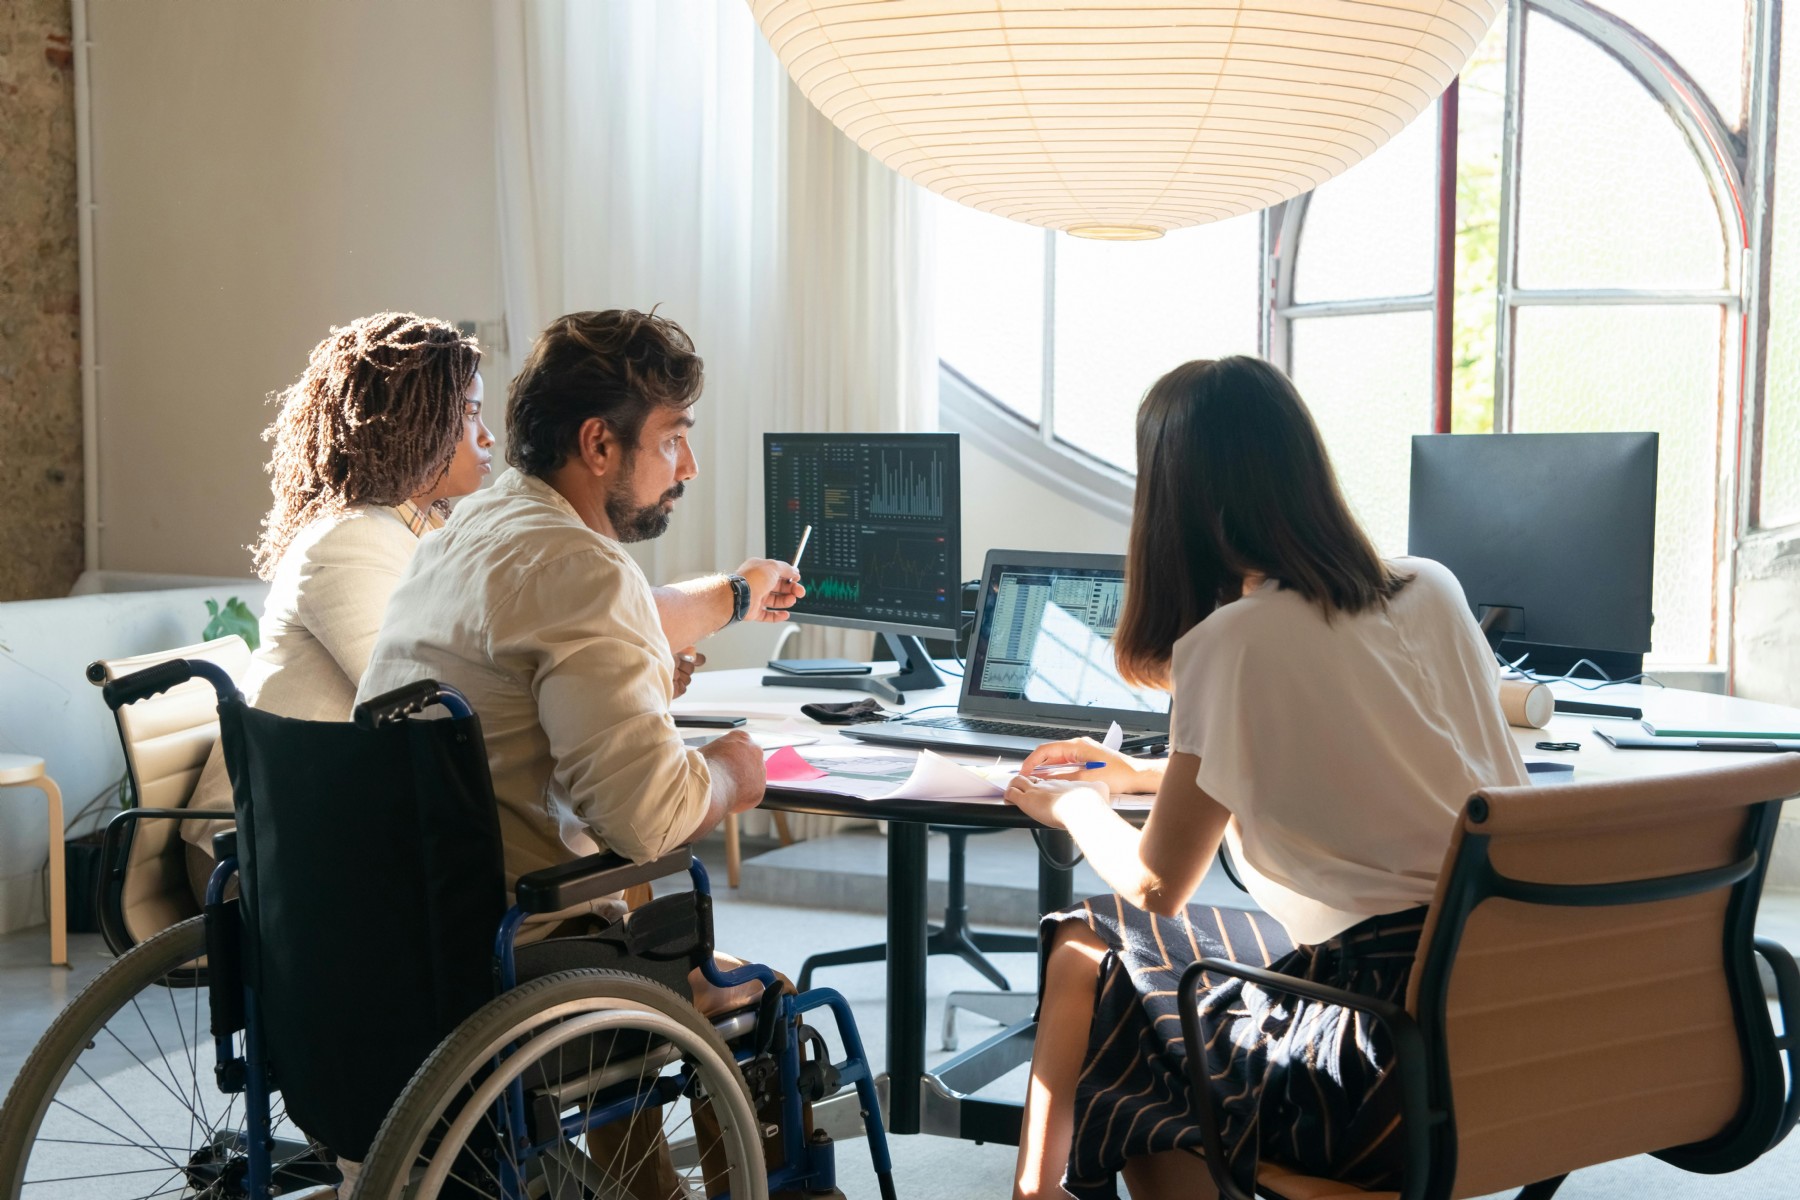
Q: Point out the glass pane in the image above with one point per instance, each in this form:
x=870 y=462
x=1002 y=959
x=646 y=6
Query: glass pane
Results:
x=1367 y=380
x=1611 y=194
x=990 y=310
x=1370 y=231
x=1708 y=40
x=1481 y=119
x=1780 y=493
x=1127 y=312
x=1578 y=370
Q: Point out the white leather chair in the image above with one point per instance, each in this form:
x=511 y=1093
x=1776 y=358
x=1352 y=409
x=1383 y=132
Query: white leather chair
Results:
x=167 y=740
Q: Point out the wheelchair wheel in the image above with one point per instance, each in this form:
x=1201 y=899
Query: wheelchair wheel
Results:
x=613 y=1087
x=118 y=1099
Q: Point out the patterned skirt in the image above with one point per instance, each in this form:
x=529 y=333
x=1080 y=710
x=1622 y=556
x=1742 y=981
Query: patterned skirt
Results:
x=1304 y=1084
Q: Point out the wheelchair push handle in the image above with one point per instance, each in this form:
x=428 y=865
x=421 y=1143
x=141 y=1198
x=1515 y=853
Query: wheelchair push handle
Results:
x=403 y=702
x=141 y=685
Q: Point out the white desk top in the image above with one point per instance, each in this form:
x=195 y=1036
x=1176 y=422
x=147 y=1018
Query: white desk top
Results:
x=741 y=693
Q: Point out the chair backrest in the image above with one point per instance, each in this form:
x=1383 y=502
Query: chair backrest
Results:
x=1587 y=979
x=372 y=888
x=167 y=740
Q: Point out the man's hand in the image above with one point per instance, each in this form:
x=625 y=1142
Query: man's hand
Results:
x=739 y=776
x=686 y=663
x=774 y=586
x=1049 y=801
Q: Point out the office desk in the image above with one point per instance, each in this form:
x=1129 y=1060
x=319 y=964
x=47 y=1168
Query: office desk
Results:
x=942 y=1101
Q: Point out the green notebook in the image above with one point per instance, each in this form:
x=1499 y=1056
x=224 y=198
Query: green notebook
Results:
x=1670 y=731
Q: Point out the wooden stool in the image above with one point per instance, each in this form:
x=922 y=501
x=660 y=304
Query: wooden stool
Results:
x=22 y=770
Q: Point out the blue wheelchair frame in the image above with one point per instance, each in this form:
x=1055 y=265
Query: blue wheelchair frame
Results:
x=806 y=1163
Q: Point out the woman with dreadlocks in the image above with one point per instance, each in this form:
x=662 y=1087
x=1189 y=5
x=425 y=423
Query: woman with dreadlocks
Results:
x=375 y=438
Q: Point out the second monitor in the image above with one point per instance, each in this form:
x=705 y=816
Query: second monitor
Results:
x=886 y=547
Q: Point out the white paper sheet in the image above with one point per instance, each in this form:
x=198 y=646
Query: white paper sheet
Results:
x=933 y=777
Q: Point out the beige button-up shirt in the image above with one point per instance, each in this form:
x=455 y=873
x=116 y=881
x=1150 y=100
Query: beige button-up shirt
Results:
x=550 y=630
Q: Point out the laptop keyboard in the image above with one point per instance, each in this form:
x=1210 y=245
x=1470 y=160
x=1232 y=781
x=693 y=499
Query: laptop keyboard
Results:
x=1043 y=733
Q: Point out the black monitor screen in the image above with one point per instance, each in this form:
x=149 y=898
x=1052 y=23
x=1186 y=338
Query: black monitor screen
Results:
x=886 y=516
x=1561 y=526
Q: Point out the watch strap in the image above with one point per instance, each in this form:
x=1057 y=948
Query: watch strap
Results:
x=740 y=597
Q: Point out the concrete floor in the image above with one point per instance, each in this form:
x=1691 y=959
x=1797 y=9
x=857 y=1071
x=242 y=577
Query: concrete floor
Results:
x=926 y=1168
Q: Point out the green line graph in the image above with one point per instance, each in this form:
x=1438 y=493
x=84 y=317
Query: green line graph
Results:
x=833 y=588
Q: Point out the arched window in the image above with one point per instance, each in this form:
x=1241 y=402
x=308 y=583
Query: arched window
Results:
x=1606 y=249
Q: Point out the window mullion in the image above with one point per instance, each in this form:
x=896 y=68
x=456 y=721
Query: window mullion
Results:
x=1509 y=217
x=1047 y=419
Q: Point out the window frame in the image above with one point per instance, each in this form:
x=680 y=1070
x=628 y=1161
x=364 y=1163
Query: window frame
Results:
x=1738 y=169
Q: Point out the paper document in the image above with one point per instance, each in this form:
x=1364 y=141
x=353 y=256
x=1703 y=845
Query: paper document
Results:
x=1115 y=737
x=853 y=771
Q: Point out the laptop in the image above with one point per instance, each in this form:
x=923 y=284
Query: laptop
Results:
x=1041 y=666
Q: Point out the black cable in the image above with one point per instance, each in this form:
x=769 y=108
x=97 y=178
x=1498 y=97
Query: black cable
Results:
x=1037 y=835
x=1568 y=676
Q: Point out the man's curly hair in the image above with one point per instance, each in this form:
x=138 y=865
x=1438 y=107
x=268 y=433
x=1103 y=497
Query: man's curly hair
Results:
x=375 y=419
x=616 y=365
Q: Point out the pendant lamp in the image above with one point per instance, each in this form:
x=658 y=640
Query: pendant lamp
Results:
x=1113 y=119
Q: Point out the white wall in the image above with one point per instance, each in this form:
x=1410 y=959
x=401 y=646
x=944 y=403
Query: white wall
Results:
x=262 y=172
x=1004 y=509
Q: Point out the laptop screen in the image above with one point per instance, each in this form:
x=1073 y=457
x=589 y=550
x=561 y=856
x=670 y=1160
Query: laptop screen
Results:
x=1043 y=641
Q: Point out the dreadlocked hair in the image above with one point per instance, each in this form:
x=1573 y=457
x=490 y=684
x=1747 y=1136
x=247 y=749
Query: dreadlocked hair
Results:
x=375 y=419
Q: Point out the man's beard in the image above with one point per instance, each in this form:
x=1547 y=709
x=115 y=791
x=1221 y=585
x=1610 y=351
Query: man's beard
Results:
x=632 y=523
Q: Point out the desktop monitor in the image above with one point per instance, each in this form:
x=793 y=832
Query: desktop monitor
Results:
x=1552 y=536
x=886 y=546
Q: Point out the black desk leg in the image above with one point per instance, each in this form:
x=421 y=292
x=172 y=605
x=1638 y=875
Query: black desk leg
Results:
x=1056 y=885
x=905 y=973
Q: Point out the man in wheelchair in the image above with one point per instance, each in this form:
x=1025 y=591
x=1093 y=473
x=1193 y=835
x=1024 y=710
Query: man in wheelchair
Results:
x=579 y=1051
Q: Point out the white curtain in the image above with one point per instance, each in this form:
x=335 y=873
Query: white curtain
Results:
x=654 y=152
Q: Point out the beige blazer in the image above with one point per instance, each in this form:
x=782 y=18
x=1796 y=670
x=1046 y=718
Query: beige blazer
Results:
x=318 y=628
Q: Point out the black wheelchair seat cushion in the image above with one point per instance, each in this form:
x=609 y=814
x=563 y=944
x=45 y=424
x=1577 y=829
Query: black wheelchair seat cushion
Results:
x=658 y=940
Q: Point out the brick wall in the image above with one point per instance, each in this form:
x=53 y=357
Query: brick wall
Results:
x=40 y=347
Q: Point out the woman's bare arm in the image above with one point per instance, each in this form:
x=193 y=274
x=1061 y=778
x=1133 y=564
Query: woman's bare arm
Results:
x=1157 y=868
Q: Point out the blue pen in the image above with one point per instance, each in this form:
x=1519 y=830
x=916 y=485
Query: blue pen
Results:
x=1091 y=766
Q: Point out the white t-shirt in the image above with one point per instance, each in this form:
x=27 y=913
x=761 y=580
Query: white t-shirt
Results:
x=1343 y=750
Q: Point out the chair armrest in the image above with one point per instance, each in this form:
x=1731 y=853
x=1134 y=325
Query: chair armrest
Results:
x=121 y=823
x=591 y=878
x=1417 y=1117
x=1787 y=999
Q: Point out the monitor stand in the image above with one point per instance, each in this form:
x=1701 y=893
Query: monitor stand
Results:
x=916 y=674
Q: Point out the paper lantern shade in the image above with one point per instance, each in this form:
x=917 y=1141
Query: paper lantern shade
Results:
x=1115 y=119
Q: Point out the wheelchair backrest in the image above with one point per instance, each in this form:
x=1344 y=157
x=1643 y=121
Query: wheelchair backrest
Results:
x=167 y=740
x=372 y=886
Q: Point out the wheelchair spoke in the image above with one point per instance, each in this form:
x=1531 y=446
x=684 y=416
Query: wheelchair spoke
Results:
x=148 y=1070
x=147 y=1147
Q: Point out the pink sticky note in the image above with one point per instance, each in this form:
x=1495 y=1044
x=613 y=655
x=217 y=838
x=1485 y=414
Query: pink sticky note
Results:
x=786 y=766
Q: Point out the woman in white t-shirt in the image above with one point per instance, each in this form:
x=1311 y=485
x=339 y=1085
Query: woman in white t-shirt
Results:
x=373 y=441
x=1332 y=711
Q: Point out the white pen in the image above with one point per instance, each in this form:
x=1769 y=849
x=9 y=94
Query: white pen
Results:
x=805 y=537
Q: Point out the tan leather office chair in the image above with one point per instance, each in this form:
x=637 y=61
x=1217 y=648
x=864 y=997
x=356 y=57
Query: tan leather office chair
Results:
x=167 y=740
x=1586 y=990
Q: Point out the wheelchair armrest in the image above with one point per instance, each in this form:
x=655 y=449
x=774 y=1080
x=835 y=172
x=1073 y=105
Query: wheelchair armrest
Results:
x=1417 y=1117
x=1787 y=999
x=586 y=879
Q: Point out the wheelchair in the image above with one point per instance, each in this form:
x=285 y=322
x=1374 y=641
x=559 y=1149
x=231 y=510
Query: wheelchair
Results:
x=370 y=998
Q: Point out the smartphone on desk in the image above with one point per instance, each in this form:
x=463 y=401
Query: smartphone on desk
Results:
x=818 y=666
x=687 y=720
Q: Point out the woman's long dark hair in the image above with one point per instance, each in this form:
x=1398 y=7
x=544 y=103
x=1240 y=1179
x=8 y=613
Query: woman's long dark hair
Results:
x=1233 y=480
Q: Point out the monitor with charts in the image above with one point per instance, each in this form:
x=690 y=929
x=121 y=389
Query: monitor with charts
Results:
x=885 y=551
